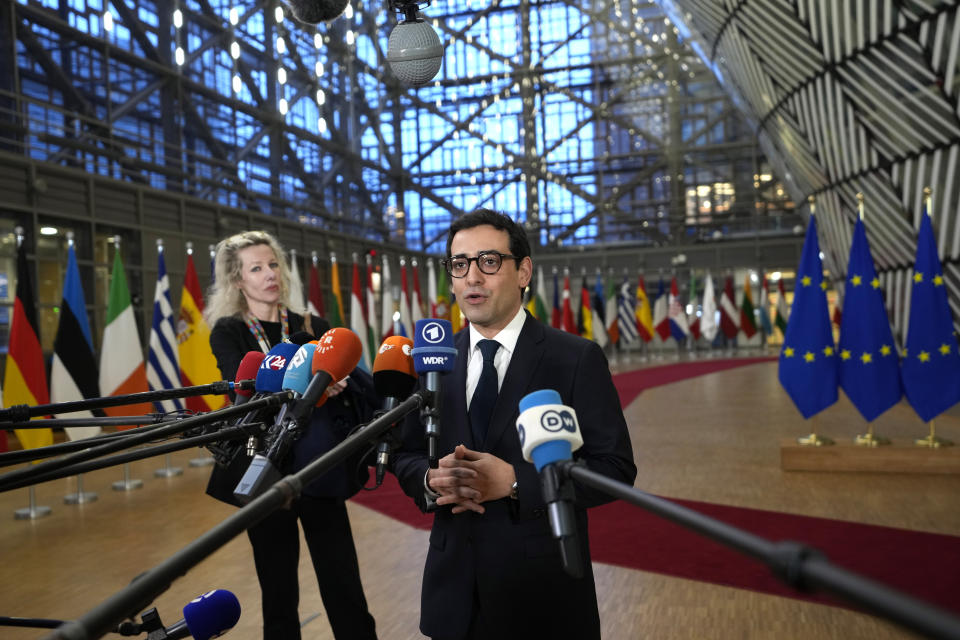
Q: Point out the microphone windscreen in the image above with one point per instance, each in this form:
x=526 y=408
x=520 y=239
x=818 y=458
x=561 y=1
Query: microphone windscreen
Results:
x=301 y=338
x=314 y=11
x=548 y=430
x=298 y=374
x=248 y=371
x=338 y=352
x=211 y=614
x=393 y=372
x=270 y=374
x=433 y=348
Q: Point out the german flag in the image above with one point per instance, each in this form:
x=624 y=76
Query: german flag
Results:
x=25 y=380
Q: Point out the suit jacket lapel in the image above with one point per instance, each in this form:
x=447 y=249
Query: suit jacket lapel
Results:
x=457 y=396
x=523 y=363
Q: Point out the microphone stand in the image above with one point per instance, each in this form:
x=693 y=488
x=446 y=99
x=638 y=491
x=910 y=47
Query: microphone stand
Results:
x=23 y=412
x=798 y=565
x=17 y=478
x=28 y=455
x=141 y=592
x=228 y=433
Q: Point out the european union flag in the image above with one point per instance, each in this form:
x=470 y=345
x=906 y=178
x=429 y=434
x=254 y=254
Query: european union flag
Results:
x=808 y=363
x=931 y=363
x=869 y=366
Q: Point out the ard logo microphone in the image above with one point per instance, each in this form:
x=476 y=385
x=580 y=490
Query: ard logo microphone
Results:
x=433 y=356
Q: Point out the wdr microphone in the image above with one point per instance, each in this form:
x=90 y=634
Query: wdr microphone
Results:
x=393 y=379
x=433 y=356
x=549 y=433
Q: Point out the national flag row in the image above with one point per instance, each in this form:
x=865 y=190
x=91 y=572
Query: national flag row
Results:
x=396 y=316
x=178 y=353
x=615 y=311
x=867 y=362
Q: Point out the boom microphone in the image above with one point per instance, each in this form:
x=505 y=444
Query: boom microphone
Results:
x=314 y=11
x=433 y=355
x=393 y=379
x=414 y=50
x=549 y=432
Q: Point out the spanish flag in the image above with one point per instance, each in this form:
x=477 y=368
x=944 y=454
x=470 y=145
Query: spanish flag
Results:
x=25 y=380
x=336 y=313
x=197 y=362
x=644 y=313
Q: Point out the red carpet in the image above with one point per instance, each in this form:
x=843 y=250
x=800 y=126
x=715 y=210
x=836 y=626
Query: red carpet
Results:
x=631 y=383
x=925 y=565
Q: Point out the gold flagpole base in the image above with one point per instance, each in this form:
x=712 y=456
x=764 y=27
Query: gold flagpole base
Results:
x=870 y=440
x=933 y=442
x=814 y=440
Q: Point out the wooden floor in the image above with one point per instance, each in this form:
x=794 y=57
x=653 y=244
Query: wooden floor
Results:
x=714 y=438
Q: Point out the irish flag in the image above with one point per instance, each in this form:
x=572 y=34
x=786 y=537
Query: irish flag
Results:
x=121 y=357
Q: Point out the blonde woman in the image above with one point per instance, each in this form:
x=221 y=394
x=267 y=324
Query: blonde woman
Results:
x=248 y=308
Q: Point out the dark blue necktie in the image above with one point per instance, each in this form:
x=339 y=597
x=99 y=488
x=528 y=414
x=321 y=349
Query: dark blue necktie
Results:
x=485 y=395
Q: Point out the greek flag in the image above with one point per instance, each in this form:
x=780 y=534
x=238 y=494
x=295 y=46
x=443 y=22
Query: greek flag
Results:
x=163 y=367
x=626 y=312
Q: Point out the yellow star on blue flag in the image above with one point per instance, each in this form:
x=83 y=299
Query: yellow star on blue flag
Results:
x=810 y=381
x=932 y=380
x=872 y=384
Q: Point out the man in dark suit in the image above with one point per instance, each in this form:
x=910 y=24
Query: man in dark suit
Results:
x=493 y=569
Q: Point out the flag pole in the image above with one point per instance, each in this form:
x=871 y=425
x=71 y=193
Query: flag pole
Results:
x=869 y=439
x=33 y=511
x=932 y=440
x=81 y=496
x=128 y=483
x=815 y=440
x=168 y=470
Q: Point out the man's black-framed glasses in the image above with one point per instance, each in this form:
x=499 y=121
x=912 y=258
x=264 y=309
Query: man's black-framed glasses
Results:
x=489 y=262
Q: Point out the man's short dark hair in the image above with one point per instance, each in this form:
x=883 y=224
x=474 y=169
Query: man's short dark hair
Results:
x=519 y=245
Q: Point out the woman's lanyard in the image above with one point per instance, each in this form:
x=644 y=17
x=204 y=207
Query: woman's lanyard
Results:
x=253 y=323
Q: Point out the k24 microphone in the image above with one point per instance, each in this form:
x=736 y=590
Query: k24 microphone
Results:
x=433 y=355
x=549 y=432
x=394 y=377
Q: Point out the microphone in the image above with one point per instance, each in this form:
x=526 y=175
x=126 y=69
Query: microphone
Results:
x=433 y=355
x=314 y=11
x=225 y=451
x=301 y=338
x=247 y=370
x=549 y=432
x=414 y=50
x=334 y=356
x=207 y=616
x=393 y=379
x=262 y=471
